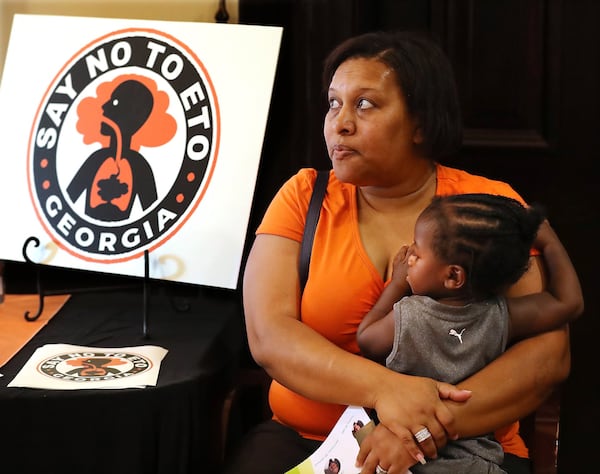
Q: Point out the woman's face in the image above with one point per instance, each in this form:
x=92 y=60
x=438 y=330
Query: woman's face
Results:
x=369 y=134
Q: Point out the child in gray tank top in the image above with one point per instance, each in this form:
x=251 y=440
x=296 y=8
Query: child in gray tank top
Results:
x=444 y=314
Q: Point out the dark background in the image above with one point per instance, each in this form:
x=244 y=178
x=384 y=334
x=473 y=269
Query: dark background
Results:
x=528 y=73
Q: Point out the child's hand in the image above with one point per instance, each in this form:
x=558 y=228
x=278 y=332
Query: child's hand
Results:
x=545 y=235
x=400 y=269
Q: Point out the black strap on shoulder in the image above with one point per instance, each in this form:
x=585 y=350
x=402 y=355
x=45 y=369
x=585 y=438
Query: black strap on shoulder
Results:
x=310 y=227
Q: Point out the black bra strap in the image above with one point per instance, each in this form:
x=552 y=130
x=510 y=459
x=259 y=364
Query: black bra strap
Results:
x=310 y=227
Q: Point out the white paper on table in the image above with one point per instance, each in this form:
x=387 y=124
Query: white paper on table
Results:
x=70 y=367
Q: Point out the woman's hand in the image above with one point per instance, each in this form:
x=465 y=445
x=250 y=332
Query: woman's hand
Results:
x=382 y=448
x=396 y=450
x=415 y=403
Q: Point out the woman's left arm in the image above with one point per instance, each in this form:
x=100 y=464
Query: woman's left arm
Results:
x=513 y=385
x=506 y=390
x=518 y=381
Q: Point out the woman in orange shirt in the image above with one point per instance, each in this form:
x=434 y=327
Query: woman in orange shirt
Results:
x=393 y=115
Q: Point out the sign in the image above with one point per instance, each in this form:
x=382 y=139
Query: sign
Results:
x=126 y=136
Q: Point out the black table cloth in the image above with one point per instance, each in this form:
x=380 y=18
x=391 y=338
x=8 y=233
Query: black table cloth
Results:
x=166 y=429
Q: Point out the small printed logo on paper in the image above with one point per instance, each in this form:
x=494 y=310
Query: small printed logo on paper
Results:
x=94 y=366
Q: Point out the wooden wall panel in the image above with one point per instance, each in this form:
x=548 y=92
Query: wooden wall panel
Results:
x=505 y=60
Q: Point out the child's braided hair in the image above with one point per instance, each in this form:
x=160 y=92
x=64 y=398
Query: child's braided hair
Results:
x=489 y=236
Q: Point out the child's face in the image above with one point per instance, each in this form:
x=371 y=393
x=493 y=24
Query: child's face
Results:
x=426 y=272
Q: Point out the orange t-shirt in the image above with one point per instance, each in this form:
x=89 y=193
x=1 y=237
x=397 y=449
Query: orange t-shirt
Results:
x=344 y=284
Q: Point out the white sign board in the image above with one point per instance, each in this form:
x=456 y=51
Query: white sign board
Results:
x=122 y=138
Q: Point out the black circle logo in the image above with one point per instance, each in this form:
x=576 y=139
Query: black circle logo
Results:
x=123 y=145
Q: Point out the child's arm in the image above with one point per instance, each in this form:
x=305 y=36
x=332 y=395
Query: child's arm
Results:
x=375 y=335
x=560 y=303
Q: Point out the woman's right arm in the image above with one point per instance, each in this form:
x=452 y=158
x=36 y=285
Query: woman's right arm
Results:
x=309 y=364
x=289 y=350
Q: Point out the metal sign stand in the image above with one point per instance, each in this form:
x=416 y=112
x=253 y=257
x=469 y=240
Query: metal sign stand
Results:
x=42 y=292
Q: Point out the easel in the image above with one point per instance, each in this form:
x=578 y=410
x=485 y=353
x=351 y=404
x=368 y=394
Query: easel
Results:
x=42 y=292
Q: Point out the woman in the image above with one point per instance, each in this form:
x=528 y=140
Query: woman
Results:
x=393 y=115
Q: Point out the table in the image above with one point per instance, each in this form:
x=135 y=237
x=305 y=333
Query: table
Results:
x=166 y=429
